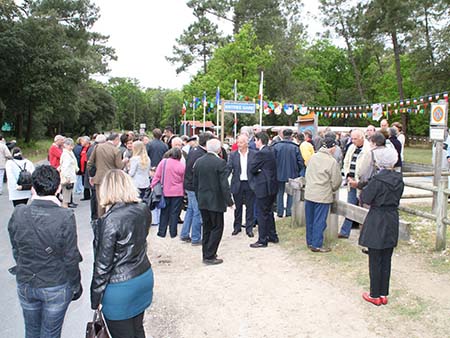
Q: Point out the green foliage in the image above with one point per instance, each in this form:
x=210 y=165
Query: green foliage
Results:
x=241 y=60
x=48 y=53
x=198 y=41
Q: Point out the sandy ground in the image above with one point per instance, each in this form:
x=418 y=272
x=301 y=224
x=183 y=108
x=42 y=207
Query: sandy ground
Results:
x=254 y=293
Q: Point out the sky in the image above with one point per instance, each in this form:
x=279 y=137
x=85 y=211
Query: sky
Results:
x=143 y=33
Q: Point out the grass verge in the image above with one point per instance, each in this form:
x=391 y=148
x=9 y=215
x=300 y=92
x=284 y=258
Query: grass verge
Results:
x=35 y=151
x=418 y=155
x=348 y=264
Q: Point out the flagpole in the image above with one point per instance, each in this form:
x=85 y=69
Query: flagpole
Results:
x=185 y=126
x=261 y=99
x=204 y=111
x=235 y=115
x=193 y=115
x=217 y=104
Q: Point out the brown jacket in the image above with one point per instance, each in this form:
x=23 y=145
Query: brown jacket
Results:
x=105 y=157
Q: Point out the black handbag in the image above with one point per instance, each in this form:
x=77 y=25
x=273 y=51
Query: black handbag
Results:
x=97 y=328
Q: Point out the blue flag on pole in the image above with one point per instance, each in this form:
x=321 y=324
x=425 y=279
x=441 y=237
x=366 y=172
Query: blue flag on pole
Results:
x=218 y=96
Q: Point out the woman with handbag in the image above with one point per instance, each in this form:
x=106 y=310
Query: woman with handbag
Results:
x=17 y=193
x=68 y=168
x=140 y=168
x=122 y=280
x=170 y=174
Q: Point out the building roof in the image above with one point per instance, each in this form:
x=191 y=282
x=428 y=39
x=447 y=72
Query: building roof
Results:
x=199 y=124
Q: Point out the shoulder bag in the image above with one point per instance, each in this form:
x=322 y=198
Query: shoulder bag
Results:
x=157 y=195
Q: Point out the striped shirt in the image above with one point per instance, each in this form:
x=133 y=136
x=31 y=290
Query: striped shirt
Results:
x=351 y=172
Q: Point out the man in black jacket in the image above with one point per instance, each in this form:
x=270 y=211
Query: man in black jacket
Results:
x=193 y=218
x=213 y=195
x=156 y=148
x=264 y=183
x=289 y=165
x=44 y=243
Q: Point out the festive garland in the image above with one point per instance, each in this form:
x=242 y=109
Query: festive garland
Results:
x=408 y=106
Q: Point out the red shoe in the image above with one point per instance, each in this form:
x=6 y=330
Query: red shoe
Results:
x=384 y=300
x=374 y=301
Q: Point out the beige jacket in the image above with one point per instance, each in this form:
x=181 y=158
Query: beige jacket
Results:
x=363 y=161
x=323 y=177
x=105 y=156
x=5 y=154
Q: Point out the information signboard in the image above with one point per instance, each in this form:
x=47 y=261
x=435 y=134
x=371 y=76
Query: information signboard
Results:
x=239 y=107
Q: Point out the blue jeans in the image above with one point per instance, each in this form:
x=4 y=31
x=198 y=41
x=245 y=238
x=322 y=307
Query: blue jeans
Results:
x=192 y=218
x=280 y=201
x=316 y=222
x=347 y=225
x=44 y=309
x=169 y=216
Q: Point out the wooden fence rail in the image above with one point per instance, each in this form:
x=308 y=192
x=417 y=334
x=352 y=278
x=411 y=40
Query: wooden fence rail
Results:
x=296 y=186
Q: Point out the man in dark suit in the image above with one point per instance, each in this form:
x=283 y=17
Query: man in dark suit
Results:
x=156 y=148
x=213 y=195
x=193 y=218
x=264 y=183
x=289 y=165
x=238 y=166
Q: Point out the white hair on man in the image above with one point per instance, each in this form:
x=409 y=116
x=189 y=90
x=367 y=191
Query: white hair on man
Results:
x=247 y=130
x=213 y=146
x=177 y=142
x=101 y=138
x=243 y=137
x=58 y=138
x=358 y=132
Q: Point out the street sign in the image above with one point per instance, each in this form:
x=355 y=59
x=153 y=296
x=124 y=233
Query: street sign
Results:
x=437 y=134
x=239 y=107
x=438 y=114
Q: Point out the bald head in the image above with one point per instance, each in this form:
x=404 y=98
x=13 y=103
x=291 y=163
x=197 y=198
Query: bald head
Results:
x=384 y=124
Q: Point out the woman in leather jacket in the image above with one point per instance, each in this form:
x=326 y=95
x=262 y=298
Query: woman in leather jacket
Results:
x=122 y=280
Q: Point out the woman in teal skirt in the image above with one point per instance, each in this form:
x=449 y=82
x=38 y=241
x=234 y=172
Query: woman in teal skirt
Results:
x=122 y=281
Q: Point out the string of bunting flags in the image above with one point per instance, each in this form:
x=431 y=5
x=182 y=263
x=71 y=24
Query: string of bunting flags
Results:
x=374 y=110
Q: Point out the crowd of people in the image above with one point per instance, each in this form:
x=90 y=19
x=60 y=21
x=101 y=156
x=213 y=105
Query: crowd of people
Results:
x=199 y=174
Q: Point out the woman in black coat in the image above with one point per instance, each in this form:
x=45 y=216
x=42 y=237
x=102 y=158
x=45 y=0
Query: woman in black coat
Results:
x=380 y=229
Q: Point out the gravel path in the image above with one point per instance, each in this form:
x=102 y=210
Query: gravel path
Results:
x=254 y=293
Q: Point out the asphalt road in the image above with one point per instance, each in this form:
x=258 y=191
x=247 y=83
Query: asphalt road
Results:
x=79 y=312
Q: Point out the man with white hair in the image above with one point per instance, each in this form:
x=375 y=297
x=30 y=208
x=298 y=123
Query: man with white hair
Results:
x=357 y=162
x=55 y=151
x=238 y=166
x=213 y=195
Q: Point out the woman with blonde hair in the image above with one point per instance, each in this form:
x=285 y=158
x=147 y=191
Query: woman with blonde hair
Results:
x=140 y=167
x=122 y=280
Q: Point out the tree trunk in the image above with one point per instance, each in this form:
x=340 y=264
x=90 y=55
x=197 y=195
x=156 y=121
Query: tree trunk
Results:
x=351 y=56
x=204 y=58
x=427 y=35
x=29 y=122
x=19 y=124
x=399 y=78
